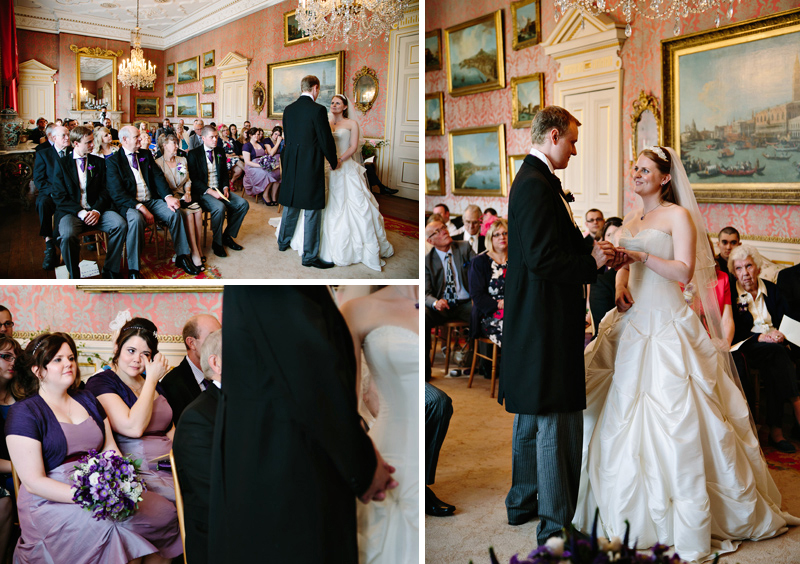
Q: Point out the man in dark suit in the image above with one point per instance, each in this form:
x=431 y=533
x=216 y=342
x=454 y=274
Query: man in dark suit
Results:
x=758 y=309
x=141 y=195
x=47 y=155
x=728 y=240
x=290 y=452
x=309 y=142
x=47 y=139
x=208 y=170
x=193 y=452
x=114 y=132
x=542 y=374
x=472 y=229
x=438 y=411
x=594 y=224
x=184 y=383
x=83 y=202
x=37 y=134
x=165 y=129
x=789 y=285
x=446 y=277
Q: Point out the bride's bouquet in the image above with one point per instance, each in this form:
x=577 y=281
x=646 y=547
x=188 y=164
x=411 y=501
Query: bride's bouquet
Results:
x=270 y=162
x=107 y=485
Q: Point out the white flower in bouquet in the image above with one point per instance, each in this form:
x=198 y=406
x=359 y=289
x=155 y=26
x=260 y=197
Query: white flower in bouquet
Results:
x=107 y=485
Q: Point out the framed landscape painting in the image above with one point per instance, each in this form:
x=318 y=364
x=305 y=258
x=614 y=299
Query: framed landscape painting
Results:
x=170 y=70
x=433 y=50
x=209 y=60
x=187 y=105
x=189 y=70
x=209 y=84
x=285 y=77
x=171 y=90
x=474 y=55
x=514 y=162
x=478 y=161
x=434 y=114
x=434 y=177
x=207 y=110
x=145 y=107
x=169 y=110
x=732 y=109
x=525 y=23
x=527 y=97
x=292 y=34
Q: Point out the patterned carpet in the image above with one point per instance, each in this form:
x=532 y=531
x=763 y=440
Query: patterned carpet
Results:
x=400 y=226
x=781 y=461
x=152 y=267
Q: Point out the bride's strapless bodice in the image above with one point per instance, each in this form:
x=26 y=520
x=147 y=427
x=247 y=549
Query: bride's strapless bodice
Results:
x=643 y=282
x=342 y=139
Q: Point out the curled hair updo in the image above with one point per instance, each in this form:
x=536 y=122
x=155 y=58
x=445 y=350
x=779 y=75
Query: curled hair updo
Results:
x=136 y=327
x=345 y=101
x=664 y=167
x=39 y=353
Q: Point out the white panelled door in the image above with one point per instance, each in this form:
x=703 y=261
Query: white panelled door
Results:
x=233 y=88
x=37 y=91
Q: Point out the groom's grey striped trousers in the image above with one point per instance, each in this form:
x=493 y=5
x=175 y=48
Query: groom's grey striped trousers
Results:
x=546 y=465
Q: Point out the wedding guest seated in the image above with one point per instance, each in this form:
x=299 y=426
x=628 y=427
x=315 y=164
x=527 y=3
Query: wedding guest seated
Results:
x=165 y=129
x=46 y=433
x=10 y=352
x=487 y=281
x=444 y=211
x=233 y=152
x=195 y=134
x=210 y=187
x=789 y=285
x=183 y=134
x=489 y=216
x=193 y=452
x=137 y=410
x=256 y=178
x=594 y=224
x=184 y=383
x=83 y=203
x=472 y=226
x=176 y=173
x=274 y=147
x=245 y=137
x=602 y=292
x=6 y=322
x=114 y=132
x=438 y=411
x=102 y=143
x=43 y=173
x=47 y=139
x=37 y=134
x=144 y=130
x=728 y=239
x=141 y=194
x=70 y=124
x=758 y=312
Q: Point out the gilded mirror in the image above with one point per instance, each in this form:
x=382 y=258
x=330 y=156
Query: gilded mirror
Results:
x=365 y=89
x=96 y=69
x=259 y=97
x=645 y=124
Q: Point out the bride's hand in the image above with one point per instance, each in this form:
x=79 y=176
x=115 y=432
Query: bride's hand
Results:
x=634 y=256
x=623 y=299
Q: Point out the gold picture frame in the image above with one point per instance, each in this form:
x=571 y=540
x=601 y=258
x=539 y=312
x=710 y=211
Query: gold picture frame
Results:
x=259 y=97
x=146 y=107
x=209 y=59
x=284 y=84
x=124 y=289
x=292 y=34
x=742 y=126
x=645 y=115
x=170 y=70
x=365 y=89
x=513 y=164
x=524 y=91
x=472 y=150
x=170 y=90
x=189 y=69
x=434 y=177
x=482 y=73
x=207 y=110
x=434 y=104
x=530 y=33
x=209 y=84
x=187 y=106
x=169 y=110
x=433 y=50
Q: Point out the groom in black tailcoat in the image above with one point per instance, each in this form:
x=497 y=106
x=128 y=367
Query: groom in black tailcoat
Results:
x=542 y=374
x=309 y=142
x=289 y=451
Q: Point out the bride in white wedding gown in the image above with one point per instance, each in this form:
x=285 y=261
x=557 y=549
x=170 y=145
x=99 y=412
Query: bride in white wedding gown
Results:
x=669 y=444
x=385 y=325
x=352 y=228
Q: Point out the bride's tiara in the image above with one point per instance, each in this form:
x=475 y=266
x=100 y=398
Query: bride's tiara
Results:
x=343 y=97
x=659 y=151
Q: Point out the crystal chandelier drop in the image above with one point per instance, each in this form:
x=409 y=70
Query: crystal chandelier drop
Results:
x=355 y=20
x=138 y=72
x=659 y=10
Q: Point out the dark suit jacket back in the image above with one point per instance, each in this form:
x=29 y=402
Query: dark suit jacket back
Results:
x=193 y=453
x=543 y=325
x=743 y=319
x=789 y=285
x=434 y=270
x=67 y=189
x=122 y=183
x=180 y=388
x=198 y=170
x=309 y=142
x=464 y=236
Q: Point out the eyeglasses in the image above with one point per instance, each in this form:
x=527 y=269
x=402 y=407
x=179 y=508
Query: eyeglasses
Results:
x=8 y=357
x=437 y=231
x=468 y=222
x=7 y=324
x=594 y=220
x=500 y=234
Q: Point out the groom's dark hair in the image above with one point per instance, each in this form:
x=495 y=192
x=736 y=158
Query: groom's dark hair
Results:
x=308 y=83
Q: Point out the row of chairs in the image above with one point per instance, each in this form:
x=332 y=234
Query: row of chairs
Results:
x=452 y=330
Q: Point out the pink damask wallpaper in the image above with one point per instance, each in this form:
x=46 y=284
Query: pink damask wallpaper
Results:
x=641 y=63
x=65 y=308
x=260 y=37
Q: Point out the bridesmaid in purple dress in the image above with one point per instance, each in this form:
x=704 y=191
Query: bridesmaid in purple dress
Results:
x=138 y=412
x=274 y=146
x=255 y=177
x=46 y=433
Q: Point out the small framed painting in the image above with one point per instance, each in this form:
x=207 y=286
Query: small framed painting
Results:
x=169 y=110
x=433 y=50
x=526 y=23
x=208 y=59
x=527 y=97
x=434 y=177
x=145 y=107
x=434 y=113
x=170 y=70
x=474 y=55
x=207 y=109
x=209 y=84
x=514 y=162
x=189 y=70
x=292 y=34
x=170 y=90
x=187 y=105
x=478 y=161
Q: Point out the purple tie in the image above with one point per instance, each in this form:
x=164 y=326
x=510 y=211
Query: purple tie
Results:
x=134 y=162
x=210 y=151
x=83 y=164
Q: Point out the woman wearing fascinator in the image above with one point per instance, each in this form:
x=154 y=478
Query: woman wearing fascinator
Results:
x=669 y=444
x=352 y=226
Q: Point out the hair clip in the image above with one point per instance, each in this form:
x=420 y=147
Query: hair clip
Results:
x=36 y=347
x=658 y=151
x=140 y=327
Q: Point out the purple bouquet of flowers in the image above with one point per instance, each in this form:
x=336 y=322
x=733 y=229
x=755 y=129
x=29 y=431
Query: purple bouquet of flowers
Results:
x=107 y=485
x=270 y=162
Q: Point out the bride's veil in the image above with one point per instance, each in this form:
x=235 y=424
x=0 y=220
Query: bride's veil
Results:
x=704 y=282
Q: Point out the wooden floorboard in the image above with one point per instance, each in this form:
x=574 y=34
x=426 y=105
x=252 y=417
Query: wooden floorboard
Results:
x=400 y=208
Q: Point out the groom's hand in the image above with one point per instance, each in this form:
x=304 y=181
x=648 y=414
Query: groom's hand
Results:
x=603 y=252
x=381 y=481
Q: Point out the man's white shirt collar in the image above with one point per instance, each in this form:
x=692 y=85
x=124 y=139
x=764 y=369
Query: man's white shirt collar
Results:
x=196 y=372
x=542 y=157
x=309 y=95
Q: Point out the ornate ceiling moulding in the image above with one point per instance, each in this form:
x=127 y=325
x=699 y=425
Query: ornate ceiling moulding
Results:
x=95 y=51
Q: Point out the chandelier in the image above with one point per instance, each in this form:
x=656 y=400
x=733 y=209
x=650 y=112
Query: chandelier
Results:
x=356 y=20
x=659 y=10
x=138 y=72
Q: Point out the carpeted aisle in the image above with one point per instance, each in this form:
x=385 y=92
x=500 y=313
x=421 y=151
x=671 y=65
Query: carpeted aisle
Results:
x=474 y=474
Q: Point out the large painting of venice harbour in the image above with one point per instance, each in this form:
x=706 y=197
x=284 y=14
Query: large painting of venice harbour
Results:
x=732 y=108
x=478 y=161
x=475 y=55
x=284 y=80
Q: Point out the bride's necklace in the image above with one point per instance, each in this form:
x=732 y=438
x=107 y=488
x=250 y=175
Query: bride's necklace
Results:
x=648 y=211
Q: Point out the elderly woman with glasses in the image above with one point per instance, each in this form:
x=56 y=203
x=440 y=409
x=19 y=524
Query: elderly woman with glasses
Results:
x=487 y=282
